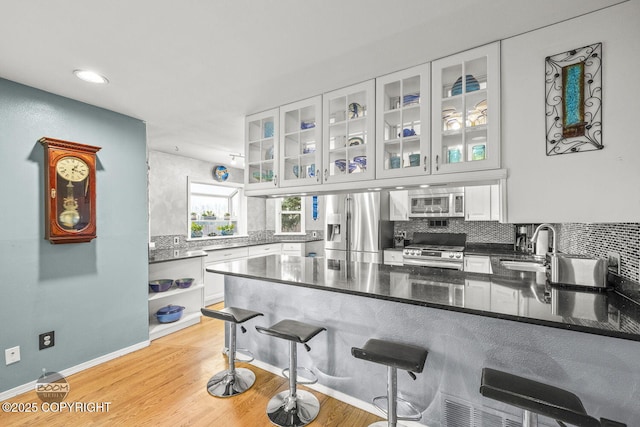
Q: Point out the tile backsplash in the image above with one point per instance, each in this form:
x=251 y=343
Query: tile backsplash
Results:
x=593 y=239
x=599 y=239
x=476 y=231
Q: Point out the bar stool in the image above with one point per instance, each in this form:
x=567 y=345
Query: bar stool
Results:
x=536 y=398
x=233 y=380
x=395 y=356
x=293 y=407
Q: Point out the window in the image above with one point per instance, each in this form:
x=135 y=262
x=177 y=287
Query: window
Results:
x=290 y=215
x=215 y=209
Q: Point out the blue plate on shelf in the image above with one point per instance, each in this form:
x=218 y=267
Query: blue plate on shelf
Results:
x=471 y=82
x=221 y=173
x=410 y=99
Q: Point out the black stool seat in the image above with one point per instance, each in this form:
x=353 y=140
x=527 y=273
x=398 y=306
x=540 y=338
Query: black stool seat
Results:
x=292 y=330
x=402 y=356
x=536 y=397
x=231 y=314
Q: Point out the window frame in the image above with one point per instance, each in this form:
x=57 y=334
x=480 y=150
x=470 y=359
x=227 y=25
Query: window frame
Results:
x=301 y=212
x=241 y=216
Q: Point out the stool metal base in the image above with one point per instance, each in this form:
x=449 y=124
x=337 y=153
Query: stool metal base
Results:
x=287 y=411
x=227 y=384
x=385 y=424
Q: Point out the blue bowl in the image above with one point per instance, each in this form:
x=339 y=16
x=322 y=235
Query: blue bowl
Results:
x=471 y=82
x=341 y=164
x=185 y=282
x=361 y=161
x=160 y=285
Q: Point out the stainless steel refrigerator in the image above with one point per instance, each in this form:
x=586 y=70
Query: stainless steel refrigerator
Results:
x=358 y=228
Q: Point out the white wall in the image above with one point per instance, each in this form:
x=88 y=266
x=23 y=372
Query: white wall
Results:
x=596 y=186
x=168 y=190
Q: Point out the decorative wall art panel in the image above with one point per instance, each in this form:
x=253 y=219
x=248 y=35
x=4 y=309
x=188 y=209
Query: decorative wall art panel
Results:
x=573 y=100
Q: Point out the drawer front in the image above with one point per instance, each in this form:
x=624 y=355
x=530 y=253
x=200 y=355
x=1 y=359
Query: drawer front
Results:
x=292 y=248
x=264 y=250
x=393 y=257
x=226 y=254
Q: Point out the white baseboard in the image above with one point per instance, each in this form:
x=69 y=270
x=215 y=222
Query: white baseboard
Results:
x=213 y=298
x=75 y=369
x=369 y=407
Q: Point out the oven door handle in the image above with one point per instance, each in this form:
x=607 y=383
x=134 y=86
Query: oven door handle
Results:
x=454 y=265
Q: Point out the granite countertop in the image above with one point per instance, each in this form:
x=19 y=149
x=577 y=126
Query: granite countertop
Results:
x=244 y=244
x=508 y=294
x=165 y=255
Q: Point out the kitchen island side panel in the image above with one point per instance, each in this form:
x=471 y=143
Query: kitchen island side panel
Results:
x=602 y=371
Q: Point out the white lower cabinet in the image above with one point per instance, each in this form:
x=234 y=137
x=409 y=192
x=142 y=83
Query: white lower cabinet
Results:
x=477 y=294
x=477 y=264
x=214 y=283
x=191 y=299
x=393 y=257
x=261 y=250
x=290 y=248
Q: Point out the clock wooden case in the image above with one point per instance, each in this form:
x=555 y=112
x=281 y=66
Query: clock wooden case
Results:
x=69 y=191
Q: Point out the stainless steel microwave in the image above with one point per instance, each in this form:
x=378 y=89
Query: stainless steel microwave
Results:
x=440 y=202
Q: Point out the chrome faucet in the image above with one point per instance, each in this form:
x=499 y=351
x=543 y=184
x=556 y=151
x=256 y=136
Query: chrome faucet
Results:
x=553 y=233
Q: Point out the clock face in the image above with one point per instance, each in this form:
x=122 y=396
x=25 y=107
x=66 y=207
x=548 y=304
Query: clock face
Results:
x=72 y=169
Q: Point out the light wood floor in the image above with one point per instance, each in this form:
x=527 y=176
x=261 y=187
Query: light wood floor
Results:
x=165 y=385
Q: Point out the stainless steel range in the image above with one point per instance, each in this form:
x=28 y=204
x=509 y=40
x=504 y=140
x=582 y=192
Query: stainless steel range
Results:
x=442 y=250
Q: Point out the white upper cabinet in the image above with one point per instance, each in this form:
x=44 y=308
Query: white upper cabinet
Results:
x=402 y=123
x=348 y=117
x=261 y=150
x=466 y=111
x=399 y=205
x=301 y=143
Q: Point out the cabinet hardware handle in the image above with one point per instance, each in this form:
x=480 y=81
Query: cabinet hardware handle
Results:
x=437 y=157
x=425 y=163
x=317 y=175
x=275 y=180
x=326 y=171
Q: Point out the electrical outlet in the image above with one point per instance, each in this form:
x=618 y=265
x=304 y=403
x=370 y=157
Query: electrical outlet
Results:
x=176 y=240
x=12 y=355
x=47 y=340
x=314 y=234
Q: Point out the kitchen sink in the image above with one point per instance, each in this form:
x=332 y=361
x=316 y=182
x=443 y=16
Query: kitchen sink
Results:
x=524 y=265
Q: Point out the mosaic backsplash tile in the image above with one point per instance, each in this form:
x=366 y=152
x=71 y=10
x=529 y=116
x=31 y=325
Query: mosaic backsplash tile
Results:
x=476 y=231
x=599 y=239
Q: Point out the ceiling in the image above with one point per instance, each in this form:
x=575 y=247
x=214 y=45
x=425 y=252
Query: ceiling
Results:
x=192 y=69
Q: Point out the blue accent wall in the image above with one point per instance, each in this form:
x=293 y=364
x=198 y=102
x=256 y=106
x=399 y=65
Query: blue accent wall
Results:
x=93 y=295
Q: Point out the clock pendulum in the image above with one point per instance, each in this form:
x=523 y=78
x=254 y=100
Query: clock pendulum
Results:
x=70 y=216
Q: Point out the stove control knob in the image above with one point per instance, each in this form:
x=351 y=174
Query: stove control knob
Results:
x=458 y=256
x=450 y=255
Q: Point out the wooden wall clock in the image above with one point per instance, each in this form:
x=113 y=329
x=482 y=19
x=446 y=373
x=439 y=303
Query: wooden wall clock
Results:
x=69 y=191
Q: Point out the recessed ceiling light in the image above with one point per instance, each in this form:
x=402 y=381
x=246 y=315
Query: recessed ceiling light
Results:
x=424 y=186
x=90 y=76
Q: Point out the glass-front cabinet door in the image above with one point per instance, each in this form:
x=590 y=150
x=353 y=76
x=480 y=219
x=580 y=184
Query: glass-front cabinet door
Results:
x=261 y=150
x=466 y=111
x=349 y=133
x=301 y=142
x=402 y=123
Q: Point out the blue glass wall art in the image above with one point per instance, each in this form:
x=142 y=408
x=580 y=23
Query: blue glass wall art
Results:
x=573 y=100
